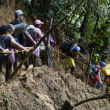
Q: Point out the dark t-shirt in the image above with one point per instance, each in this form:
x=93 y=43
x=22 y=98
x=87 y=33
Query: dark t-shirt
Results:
x=7 y=41
x=14 y=22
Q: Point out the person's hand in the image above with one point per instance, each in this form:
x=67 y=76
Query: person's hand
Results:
x=16 y=51
x=26 y=50
x=101 y=82
x=34 y=43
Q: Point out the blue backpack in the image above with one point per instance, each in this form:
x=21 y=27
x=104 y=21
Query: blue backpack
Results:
x=94 y=68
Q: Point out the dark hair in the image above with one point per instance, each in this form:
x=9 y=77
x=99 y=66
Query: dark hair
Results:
x=36 y=25
x=3 y=29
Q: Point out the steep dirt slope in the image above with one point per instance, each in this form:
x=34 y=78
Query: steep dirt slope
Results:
x=46 y=89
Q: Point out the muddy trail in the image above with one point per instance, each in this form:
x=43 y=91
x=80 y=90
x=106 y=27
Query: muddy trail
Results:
x=44 y=88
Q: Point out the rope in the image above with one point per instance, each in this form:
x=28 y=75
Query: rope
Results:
x=69 y=57
x=9 y=52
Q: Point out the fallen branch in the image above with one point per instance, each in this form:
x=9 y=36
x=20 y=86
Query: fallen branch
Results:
x=68 y=106
x=91 y=99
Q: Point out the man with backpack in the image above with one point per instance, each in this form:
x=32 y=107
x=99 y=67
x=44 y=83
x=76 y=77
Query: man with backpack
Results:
x=21 y=38
x=96 y=75
x=72 y=49
x=67 y=47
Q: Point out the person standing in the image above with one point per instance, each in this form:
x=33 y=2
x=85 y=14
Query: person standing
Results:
x=38 y=35
x=21 y=38
x=106 y=71
x=6 y=42
x=96 y=75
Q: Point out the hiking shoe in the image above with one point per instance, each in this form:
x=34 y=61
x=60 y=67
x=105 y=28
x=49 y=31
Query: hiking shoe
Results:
x=99 y=85
x=93 y=86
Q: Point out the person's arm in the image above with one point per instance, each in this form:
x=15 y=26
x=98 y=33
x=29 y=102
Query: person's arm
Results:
x=80 y=55
x=38 y=33
x=99 y=77
x=1 y=49
x=29 y=37
x=16 y=45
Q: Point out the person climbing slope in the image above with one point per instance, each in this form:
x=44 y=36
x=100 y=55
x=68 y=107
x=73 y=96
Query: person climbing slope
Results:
x=96 y=75
x=106 y=71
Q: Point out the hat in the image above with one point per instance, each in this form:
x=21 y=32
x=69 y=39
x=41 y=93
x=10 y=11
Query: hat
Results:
x=81 y=40
x=38 y=22
x=31 y=27
x=103 y=64
x=3 y=29
x=76 y=49
x=19 y=12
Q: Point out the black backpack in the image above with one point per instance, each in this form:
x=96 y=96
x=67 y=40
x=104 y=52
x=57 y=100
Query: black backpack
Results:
x=2 y=44
x=31 y=32
x=66 y=46
x=94 y=68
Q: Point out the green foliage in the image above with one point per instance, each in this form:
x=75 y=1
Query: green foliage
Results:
x=98 y=28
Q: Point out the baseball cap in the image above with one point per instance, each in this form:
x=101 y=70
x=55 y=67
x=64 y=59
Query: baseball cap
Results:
x=103 y=64
x=3 y=29
x=81 y=40
x=19 y=12
x=38 y=22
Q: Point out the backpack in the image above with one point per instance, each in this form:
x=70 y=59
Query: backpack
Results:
x=94 y=68
x=66 y=46
x=52 y=41
x=2 y=44
x=19 y=37
x=31 y=32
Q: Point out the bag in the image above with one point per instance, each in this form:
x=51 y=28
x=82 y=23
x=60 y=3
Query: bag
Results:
x=22 y=38
x=42 y=46
x=12 y=56
x=31 y=32
x=70 y=62
x=94 y=68
x=65 y=47
x=52 y=41
x=106 y=70
x=2 y=44
x=37 y=51
x=28 y=42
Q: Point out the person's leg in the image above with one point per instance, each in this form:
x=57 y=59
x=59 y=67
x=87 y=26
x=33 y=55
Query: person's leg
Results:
x=93 y=79
x=72 y=70
x=16 y=60
x=48 y=54
x=8 y=73
x=26 y=62
x=2 y=76
x=34 y=61
x=98 y=80
x=23 y=55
